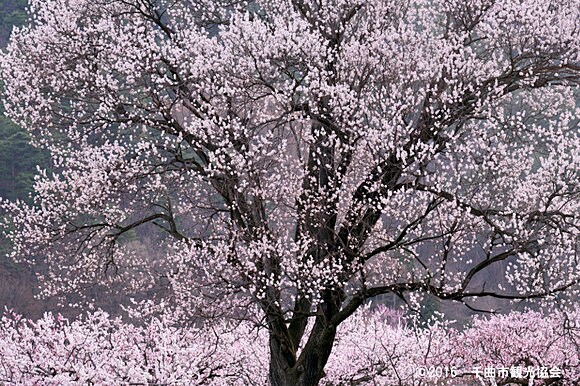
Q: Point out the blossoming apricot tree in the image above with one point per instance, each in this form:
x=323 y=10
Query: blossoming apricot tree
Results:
x=522 y=348
x=301 y=157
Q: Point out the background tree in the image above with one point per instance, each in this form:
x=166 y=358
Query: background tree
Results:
x=301 y=157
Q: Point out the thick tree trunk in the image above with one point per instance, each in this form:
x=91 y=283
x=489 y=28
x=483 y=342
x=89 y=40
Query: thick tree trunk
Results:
x=309 y=374
x=281 y=364
x=308 y=370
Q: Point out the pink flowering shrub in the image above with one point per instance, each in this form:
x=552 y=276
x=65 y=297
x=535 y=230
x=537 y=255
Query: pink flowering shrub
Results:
x=527 y=340
x=369 y=350
x=500 y=350
x=102 y=350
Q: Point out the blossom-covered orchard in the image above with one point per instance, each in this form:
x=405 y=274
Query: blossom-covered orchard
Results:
x=284 y=162
x=522 y=348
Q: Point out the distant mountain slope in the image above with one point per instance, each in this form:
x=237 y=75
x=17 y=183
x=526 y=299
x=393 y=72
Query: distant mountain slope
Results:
x=12 y=12
x=18 y=159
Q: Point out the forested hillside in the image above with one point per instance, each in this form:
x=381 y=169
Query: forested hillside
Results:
x=12 y=12
x=18 y=159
